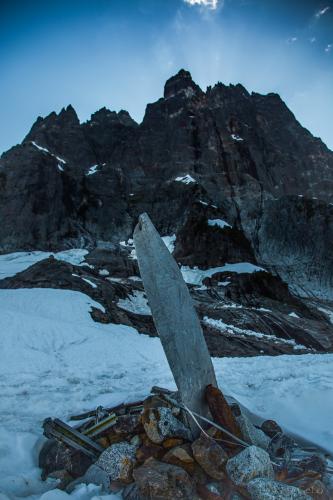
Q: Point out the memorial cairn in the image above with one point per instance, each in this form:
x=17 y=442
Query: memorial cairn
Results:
x=191 y=444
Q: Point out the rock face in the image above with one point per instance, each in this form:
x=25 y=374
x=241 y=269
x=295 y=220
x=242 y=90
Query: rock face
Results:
x=232 y=175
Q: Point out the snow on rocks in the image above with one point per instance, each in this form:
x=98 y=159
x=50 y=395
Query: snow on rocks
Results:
x=186 y=179
x=248 y=464
x=231 y=329
x=136 y=303
x=236 y=137
x=195 y=276
x=45 y=150
x=13 y=263
x=218 y=223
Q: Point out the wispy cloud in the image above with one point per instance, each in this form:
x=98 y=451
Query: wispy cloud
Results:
x=292 y=39
x=329 y=47
x=210 y=4
x=313 y=39
x=322 y=12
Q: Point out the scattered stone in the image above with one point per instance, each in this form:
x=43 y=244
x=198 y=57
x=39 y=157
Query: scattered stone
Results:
x=182 y=456
x=96 y=475
x=271 y=428
x=118 y=461
x=248 y=464
x=251 y=434
x=103 y=441
x=267 y=489
x=164 y=481
x=128 y=424
x=181 y=453
x=55 y=456
x=131 y=492
x=313 y=463
x=160 y=424
x=146 y=451
x=63 y=477
x=211 y=456
x=281 y=446
x=313 y=487
x=172 y=442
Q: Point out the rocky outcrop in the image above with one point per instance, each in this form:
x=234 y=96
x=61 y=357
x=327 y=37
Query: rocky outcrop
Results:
x=232 y=175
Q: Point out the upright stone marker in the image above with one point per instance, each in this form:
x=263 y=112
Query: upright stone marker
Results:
x=174 y=316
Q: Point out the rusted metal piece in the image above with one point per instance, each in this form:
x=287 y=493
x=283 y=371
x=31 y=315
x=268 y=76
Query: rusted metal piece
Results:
x=221 y=411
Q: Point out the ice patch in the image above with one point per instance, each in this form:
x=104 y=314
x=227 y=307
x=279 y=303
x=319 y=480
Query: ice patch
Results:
x=186 y=179
x=91 y=283
x=136 y=303
x=194 y=276
x=218 y=222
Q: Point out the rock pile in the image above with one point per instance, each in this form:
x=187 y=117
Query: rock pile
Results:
x=147 y=451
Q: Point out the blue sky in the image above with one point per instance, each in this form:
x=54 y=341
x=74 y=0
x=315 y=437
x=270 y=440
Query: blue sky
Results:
x=118 y=54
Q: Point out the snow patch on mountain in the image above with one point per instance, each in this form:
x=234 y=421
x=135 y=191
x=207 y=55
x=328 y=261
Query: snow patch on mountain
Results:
x=194 y=276
x=13 y=263
x=186 y=179
x=218 y=223
x=136 y=303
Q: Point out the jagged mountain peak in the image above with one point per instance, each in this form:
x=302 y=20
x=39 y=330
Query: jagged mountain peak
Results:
x=181 y=84
x=105 y=116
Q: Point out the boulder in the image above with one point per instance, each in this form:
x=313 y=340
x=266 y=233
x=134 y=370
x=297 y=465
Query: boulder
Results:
x=251 y=434
x=164 y=481
x=250 y=463
x=270 y=428
x=160 y=424
x=96 y=475
x=210 y=456
x=263 y=488
x=118 y=461
x=55 y=456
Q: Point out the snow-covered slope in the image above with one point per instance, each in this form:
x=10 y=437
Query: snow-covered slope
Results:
x=55 y=360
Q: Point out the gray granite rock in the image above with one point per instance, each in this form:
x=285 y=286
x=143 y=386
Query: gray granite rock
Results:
x=118 y=461
x=251 y=434
x=250 y=463
x=268 y=489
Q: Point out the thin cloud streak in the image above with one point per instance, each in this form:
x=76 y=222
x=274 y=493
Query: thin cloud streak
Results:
x=322 y=12
x=210 y=4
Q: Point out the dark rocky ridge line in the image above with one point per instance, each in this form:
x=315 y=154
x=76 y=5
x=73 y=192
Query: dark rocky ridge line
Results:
x=223 y=154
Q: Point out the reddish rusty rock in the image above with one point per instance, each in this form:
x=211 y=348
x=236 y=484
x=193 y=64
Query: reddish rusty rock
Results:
x=128 y=424
x=151 y=450
x=271 y=428
x=172 y=442
x=164 y=481
x=207 y=494
x=103 y=441
x=210 y=456
x=182 y=456
x=160 y=424
x=55 y=456
x=221 y=411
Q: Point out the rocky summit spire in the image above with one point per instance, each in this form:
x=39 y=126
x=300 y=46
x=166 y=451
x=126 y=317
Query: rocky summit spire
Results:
x=181 y=83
